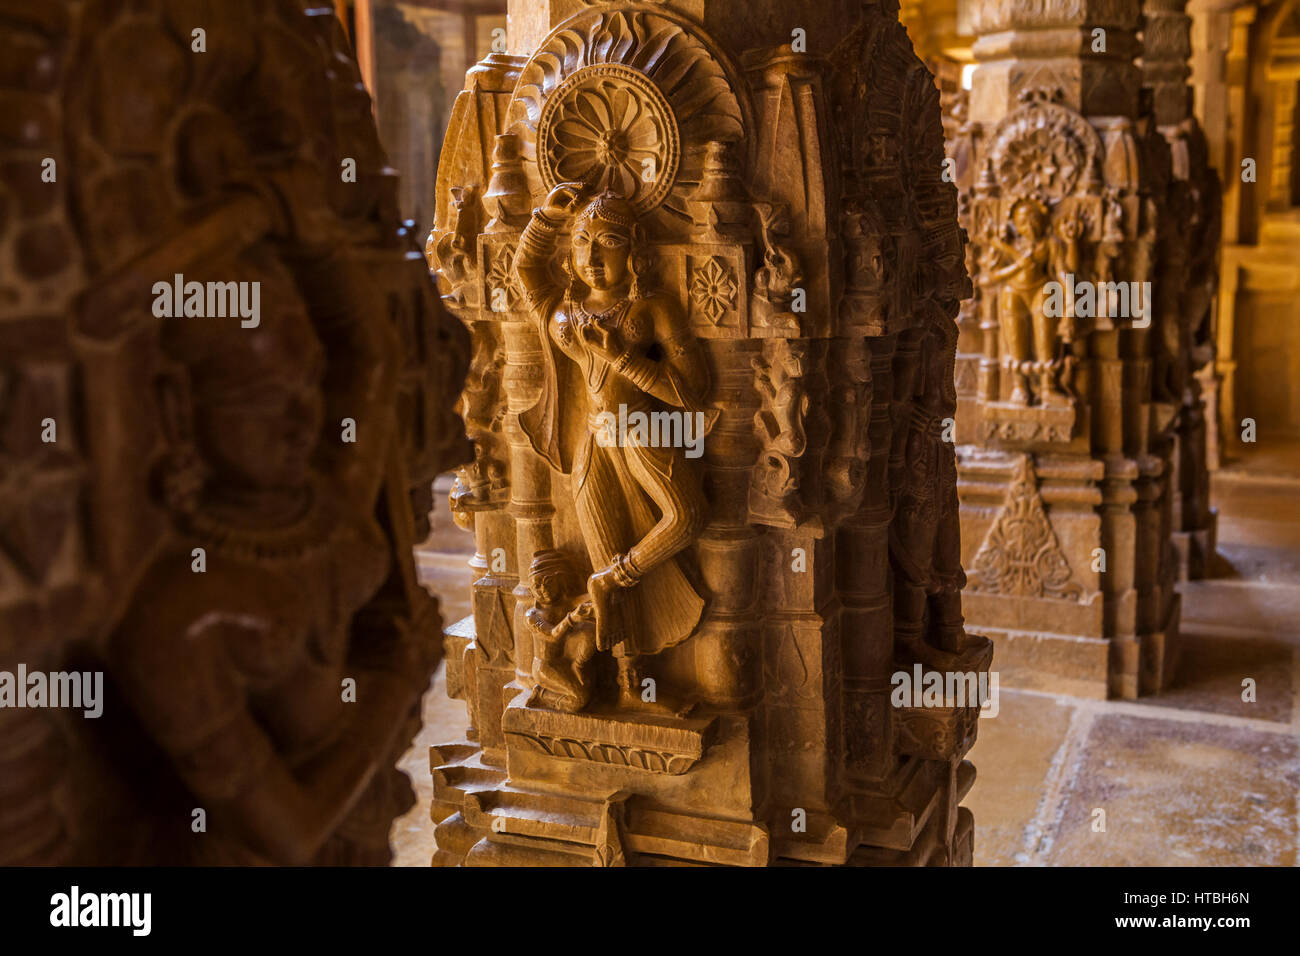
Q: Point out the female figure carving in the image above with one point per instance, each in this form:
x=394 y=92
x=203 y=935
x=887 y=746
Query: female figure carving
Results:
x=608 y=343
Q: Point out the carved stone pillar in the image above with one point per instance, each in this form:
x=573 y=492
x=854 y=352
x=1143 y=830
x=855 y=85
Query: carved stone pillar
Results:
x=736 y=226
x=1186 y=378
x=408 y=107
x=1065 y=482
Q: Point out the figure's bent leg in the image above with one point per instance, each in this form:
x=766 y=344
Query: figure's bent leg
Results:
x=607 y=531
x=666 y=479
x=674 y=487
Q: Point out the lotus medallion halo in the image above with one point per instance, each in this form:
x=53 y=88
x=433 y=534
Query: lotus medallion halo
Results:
x=609 y=126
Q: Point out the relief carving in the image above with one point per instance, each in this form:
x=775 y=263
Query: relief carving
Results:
x=745 y=599
x=1021 y=269
x=776 y=279
x=607 y=125
x=714 y=290
x=606 y=71
x=774 y=492
x=608 y=345
x=456 y=253
x=234 y=547
x=1079 y=234
x=1021 y=555
x=850 y=411
x=564 y=635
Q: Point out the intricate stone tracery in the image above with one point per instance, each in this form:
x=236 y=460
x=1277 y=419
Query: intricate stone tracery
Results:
x=673 y=83
x=608 y=126
x=1021 y=555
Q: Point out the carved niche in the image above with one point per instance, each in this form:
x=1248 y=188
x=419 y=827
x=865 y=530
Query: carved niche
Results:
x=1039 y=219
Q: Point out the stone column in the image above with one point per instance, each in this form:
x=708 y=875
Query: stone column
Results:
x=1065 y=482
x=1188 y=381
x=757 y=237
x=939 y=35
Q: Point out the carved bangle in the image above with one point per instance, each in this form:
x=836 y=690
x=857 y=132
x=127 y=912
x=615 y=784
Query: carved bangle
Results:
x=623 y=359
x=546 y=220
x=536 y=242
x=625 y=572
x=641 y=372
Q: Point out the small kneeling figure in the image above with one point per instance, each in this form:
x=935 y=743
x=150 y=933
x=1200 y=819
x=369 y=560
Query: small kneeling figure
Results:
x=562 y=625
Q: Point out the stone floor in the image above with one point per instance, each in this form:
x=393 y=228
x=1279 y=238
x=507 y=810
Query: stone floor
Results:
x=1194 y=777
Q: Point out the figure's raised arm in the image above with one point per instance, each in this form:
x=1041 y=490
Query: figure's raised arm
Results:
x=537 y=244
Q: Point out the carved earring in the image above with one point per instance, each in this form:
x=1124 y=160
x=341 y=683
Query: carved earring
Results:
x=566 y=266
x=637 y=261
x=183 y=477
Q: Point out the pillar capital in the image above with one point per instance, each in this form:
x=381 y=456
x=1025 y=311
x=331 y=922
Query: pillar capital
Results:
x=1081 y=49
x=736 y=27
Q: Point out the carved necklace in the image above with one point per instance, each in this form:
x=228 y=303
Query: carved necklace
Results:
x=309 y=533
x=612 y=318
x=606 y=318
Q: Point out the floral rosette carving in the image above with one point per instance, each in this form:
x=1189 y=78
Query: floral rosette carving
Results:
x=610 y=127
x=627 y=100
x=1044 y=150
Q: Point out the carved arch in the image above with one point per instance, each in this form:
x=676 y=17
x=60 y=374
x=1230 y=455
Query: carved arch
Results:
x=621 y=74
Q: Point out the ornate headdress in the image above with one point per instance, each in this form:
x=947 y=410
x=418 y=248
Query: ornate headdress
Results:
x=607 y=207
x=550 y=561
x=1037 y=208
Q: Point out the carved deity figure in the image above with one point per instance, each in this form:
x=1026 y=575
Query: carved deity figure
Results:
x=1020 y=270
x=924 y=540
x=608 y=344
x=564 y=638
x=235 y=668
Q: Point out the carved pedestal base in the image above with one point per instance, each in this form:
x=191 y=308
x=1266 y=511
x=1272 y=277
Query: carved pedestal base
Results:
x=1059 y=572
x=619 y=788
x=1013 y=424
x=650 y=744
x=1052 y=663
x=484 y=821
